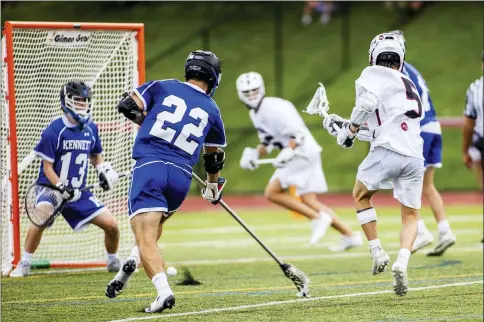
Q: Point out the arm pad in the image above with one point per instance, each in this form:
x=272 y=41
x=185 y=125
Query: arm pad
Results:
x=214 y=162
x=366 y=103
x=128 y=107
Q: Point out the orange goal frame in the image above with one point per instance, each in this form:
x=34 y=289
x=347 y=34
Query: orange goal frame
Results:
x=12 y=135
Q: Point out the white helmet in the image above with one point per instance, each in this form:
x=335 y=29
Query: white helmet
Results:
x=401 y=38
x=386 y=42
x=251 y=90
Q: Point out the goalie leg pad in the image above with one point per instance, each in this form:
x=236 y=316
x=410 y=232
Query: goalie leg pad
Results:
x=366 y=215
x=128 y=107
x=214 y=162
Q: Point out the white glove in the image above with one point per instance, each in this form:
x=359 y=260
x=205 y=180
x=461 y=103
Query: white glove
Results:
x=213 y=191
x=68 y=193
x=108 y=178
x=249 y=158
x=330 y=122
x=284 y=157
x=345 y=137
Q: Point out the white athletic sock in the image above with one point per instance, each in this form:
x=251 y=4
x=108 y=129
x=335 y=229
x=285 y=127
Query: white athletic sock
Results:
x=421 y=228
x=325 y=216
x=111 y=257
x=135 y=254
x=443 y=226
x=374 y=245
x=27 y=257
x=161 y=283
x=403 y=256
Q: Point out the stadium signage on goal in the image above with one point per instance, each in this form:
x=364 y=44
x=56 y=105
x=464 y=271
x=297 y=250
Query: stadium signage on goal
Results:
x=68 y=38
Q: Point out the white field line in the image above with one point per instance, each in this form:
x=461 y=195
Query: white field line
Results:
x=284 y=240
x=477 y=248
x=302 y=225
x=311 y=299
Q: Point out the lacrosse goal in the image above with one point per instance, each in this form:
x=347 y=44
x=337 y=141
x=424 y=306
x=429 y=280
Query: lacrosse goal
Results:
x=38 y=58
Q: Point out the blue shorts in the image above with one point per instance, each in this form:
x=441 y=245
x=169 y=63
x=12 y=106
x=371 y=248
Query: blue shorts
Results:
x=158 y=185
x=80 y=213
x=432 y=149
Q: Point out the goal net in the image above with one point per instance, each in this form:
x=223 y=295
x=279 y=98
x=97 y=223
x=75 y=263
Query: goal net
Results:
x=38 y=58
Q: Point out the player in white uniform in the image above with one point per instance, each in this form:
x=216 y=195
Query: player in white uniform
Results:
x=279 y=125
x=388 y=101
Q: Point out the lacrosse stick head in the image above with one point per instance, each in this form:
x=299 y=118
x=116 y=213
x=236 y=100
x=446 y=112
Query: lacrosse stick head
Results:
x=319 y=104
x=298 y=277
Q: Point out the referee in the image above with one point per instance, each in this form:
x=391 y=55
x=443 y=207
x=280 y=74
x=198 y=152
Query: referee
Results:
x=473 y=137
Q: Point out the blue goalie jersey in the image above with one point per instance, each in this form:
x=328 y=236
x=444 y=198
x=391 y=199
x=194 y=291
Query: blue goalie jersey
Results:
x=68 y=148
x=180 y=119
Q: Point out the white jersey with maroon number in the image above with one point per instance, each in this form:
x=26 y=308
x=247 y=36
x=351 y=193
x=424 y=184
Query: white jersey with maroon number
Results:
x=277 y=122
x=396 y=120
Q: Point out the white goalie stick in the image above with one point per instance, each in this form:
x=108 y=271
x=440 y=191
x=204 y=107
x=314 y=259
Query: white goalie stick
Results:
x=298 y=277
x=320 y=104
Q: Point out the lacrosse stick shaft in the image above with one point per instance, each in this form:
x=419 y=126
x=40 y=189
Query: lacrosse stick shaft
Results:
x=265 y=161
x=241 y=222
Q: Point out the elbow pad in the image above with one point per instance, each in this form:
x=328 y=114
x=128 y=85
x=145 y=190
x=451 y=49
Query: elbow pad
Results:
x=214 y=162
x=128 y=107
x=366 y=103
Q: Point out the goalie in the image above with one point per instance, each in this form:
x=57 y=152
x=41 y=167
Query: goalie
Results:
x=279 y=125
x=65 y=147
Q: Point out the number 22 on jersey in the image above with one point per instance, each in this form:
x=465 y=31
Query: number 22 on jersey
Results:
x=181 y=140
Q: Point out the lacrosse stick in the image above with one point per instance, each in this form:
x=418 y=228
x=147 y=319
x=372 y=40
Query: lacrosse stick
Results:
x=43 y=203
x=265 y=161
x=320 y=104
x=297 y=276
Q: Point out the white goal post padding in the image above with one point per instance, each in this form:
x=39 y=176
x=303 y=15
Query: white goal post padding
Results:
x=44 y=60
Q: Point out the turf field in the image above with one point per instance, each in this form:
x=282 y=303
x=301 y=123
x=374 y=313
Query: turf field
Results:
x=240 y=282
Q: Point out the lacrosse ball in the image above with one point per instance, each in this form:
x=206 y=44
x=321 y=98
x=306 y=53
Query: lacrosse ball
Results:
x=171 y=271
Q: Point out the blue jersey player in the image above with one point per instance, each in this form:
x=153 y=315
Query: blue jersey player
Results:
x=66 y=146
x=431 y=134
x=178 y=120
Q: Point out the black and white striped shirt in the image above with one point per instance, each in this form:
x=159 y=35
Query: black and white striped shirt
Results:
x=475 y=105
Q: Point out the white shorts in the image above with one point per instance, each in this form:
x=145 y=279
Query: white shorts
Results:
x=475 y=154
x=306 y=174
x=387 y=169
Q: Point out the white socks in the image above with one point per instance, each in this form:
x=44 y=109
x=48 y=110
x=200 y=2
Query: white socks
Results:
x=161 y=284
x=443 y=226
x=375 y=246
x=27 y=257
x=111 y=257
x=135 y=255
x=421 y=227
x=403 y=256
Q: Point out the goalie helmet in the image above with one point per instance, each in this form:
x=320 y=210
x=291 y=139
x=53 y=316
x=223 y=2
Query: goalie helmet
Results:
x=205 y=66
x=251 y=90
x=387 y=46
x=75 y=100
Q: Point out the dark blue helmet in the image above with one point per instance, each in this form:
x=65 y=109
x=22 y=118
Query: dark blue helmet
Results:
x=205 y=66
x=75 y=100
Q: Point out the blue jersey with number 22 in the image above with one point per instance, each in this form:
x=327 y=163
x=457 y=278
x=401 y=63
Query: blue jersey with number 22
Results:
x=180 y=119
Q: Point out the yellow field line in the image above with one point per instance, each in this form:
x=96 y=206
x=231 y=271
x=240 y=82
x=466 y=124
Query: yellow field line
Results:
x=231 y=290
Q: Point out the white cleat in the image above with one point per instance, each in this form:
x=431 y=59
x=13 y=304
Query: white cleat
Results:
x=319 y=227
x=162 y=303
x=445 y=241
x=22 y=270
x=400 y=279
x=422 y=240
x=348 y=243
x=117 y=285
x=380 y=261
